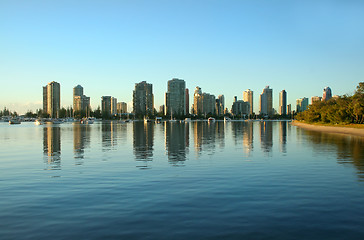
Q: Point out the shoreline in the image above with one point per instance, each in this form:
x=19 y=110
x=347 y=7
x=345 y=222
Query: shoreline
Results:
x=329 y=129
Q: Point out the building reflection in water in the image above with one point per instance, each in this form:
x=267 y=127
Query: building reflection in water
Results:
x=143 y=137
x=176 y=142
x=52 y=146
x=283 y=136
x=109 y=135
x=242 y=133
x=81 y=140
x=220 y=134
x=266 y=136
x=204 y=136
x=349 y=149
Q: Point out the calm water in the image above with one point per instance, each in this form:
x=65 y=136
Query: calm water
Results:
x=238 y=180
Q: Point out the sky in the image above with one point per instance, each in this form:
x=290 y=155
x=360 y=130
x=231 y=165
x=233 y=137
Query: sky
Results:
x=224 y=47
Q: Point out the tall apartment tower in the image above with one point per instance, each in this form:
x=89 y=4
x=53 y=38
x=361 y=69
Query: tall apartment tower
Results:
x=122 y=107
x=220 y=105
x=106 y=104
x=248 y=97
x=77 y=91
x=301 y=104
x=187 y=101
x=143 y=99
x=203 y=103
x=52 y=99
x=176 y=97
x=114 y=105
x=282 y=102
x=266 y=101
x=80 y=101
x=327 y=94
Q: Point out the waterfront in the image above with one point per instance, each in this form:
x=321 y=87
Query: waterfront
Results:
x=199 y=180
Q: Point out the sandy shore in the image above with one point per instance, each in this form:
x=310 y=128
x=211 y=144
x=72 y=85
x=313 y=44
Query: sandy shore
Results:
x=328 y=129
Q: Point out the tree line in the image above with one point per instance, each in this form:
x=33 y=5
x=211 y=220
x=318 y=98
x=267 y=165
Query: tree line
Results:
x=343 y=110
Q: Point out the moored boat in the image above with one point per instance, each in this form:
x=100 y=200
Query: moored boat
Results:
x=38 y=122
x=211 y=119
x=158 y=119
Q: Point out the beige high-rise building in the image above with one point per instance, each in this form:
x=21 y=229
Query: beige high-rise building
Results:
x=52 y=99
x=266 y=101
x=114 y=105
x=203 y=103
x=248 y=97
x=122 y=107
x=316 y=99
x=282 y=102
x=80 y=101
x=220 y=105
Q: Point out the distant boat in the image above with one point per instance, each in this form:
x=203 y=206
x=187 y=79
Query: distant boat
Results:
x=87 y=121
x=211 y=119
x=56 y=121
x=38 y=122
x=226 y=119
x=14 y=121
x=187 y=119
x=158 y=119
x=147 y=120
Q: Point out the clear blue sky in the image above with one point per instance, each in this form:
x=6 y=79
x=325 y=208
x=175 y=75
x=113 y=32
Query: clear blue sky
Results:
x=224 y=47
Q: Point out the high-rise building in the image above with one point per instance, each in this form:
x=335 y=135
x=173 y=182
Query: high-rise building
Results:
x=220 y=105
x=78 y=91
x=106 y=105
x=52 y=99
x=266 y=101
x=316 y=99
x=161 y=109
x=122 y=107
x=301 y=104
x=327 y=94
x=248 y=97
x=114 y=105
x=204 y=103
x=289 y=109
x=80 y=101
x=240 y=107
x=176 y=97
x=282 y=102
x=143 y=99
x=187 y=101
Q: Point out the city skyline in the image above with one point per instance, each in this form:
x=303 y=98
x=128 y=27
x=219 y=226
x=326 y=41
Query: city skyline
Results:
x=224 y=48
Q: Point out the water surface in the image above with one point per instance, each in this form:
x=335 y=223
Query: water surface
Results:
x=235 y=180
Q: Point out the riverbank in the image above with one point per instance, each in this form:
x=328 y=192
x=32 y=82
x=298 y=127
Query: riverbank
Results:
x=330 y=129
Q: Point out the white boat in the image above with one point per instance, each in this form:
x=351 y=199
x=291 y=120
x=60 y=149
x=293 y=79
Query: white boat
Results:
x=211 y=119
x=87 y=121
x=158 y=119
x=226 y=119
